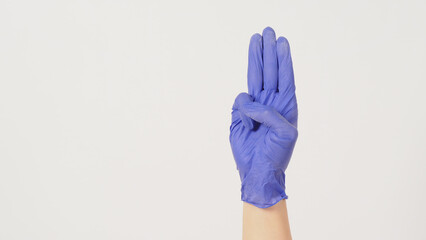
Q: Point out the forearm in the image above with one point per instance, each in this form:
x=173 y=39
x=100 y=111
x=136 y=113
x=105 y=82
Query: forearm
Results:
x=266 y=223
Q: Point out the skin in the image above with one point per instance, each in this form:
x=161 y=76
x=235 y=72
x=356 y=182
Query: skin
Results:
x=266 y=223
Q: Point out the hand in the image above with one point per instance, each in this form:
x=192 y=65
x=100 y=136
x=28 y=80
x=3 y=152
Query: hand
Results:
x=264 y=123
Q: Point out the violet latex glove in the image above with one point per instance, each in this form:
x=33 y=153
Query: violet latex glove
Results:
x=264 y=122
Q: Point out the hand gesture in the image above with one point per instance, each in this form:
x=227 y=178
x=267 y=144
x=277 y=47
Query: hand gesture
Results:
x=264 y=122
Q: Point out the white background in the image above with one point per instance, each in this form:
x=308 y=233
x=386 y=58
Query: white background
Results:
x=114 y=118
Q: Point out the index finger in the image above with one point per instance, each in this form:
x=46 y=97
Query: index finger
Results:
x=255 y=66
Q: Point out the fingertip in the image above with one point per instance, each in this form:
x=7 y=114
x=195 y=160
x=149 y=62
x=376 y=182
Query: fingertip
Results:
x=255 y=44
x=282 y=40
x=256 y=37
x=268 y=31
x=283 y=43
x=283 y=46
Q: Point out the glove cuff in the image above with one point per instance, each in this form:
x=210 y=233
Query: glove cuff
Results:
x=264 y=189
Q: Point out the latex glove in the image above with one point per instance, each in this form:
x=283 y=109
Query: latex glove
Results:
x=264 y=123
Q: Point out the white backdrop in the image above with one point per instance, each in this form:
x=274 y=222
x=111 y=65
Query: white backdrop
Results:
x=114 y=118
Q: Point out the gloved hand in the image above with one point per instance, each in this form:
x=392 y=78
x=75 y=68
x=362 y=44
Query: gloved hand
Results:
x=264 y=123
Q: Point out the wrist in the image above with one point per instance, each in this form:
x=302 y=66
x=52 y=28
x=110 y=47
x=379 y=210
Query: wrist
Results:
x=263 y=189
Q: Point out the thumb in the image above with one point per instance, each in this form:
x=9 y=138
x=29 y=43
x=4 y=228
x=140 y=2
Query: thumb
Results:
x=266 y=115
x=242 y=99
